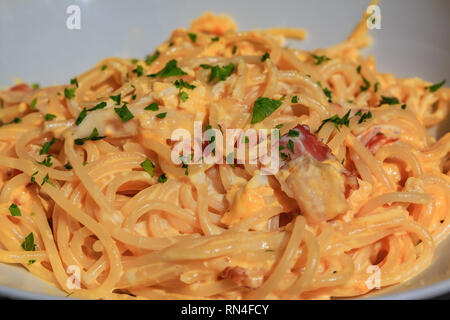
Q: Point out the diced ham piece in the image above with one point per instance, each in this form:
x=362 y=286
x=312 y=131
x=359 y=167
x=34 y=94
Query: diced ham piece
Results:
x=22 y=87
x=305 y=143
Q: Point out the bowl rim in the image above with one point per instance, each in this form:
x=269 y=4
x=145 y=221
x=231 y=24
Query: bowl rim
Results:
x=427 y=292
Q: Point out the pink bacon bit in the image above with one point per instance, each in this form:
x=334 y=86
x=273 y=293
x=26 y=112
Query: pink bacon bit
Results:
x=304 y=143
x=22 y=87
x=375 y=139
x=307 y=143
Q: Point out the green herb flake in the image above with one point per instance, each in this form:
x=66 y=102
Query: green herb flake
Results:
x=33 y=104
x=35 y=86
x=169 y=70
x=294 y=99
x=193 y=37
x=93 y=136
x=151 y=58
x=215 y=39
x=33 y=179
x=124 y=113
x=81 y=116
x=366 y=85
x=49 y=117
x=161 y=115
x=319 y=59
x=389 y=100
x=74 y=81
x=101 y=105
x=15 y=211
x=265 y=57
x=435 y=87
x=183 y=96
x=219 y=73
x=46 y=147
x=28 y=244
x=290 y=146
x=375 y=86
x=116 y=98
x=365 y=116
x=338 y=121
x=104 y=67
x=264 y=107
x=162 y=178
x=152 y=107
x=69 y=93
x=139 y=70
x=149 y=167
x=68 y=166
x=293 y=133
x=47 y=180
x=47 y=161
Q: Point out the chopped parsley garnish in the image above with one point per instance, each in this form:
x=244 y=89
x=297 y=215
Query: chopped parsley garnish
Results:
x=134 y=61
x=358 y=69
x=47 y=161
x=161 y=115
x=170 y=70
x=436 y=86
x=320 y=59
x=265 y=57
x=221 y=73
x=93 y=136
x=33 y=104
x=148 y=166
x=101 y=105
x=133 y=97
x=403 y=106
x=279 y=126
x=116 y=98
x=15 y=211
x=389 y=100
x=293 y=133
x=193 y=37
x=68 y=166
x=28 y=244
x=215 y=39
x=264 y=107
x=294 y=99
x=35 y=86
x=74 y=81
x=338 y=121
x=180 y=84
x=151 y=58
x=46 y=146
x=152 y=107
x=233 y=51
x=290 y=146
x=47 y=180
x=170 y=44
x=69 y=93
x=139 y=70
x=326 y=91
x=104 y=67
x=183 y=96
x=162 y=178
x=124 y=113
x=365 y=86
x=246 y=139
x=375 y=86
x=81 y=116
x=33 y=179
x=364 y=116
x=49 y=117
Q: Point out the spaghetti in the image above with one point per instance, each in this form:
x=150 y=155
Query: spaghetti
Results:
x=87 y=181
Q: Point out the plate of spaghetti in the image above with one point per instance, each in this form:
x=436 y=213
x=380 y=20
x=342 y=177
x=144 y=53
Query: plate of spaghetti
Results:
x=227 y=164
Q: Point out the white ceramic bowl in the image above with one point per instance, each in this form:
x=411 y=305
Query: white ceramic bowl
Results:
x=36 y=46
